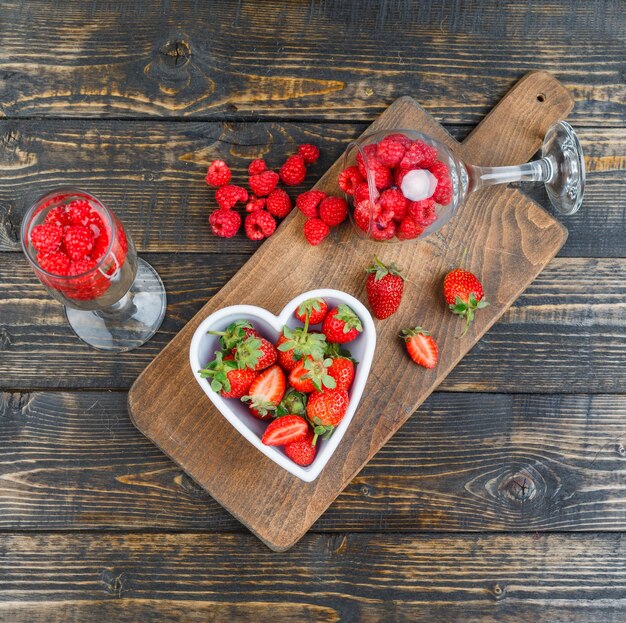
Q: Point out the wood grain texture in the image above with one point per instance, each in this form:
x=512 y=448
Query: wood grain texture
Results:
x=571 y=317
x=227 y=59
x=353 y=578
x=462 y=462
x=152 y=174
x=180 y=420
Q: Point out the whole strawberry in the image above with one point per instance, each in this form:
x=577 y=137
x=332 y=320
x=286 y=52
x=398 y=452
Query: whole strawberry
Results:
x=312 y=311
x=384 y=286
x=302 y=452
x=293 y=345
x=464 y=294
x=342 y=366
x=312 y=374
x=341 y=325
x=325 y=410
x=255 y=353
x=226 y=378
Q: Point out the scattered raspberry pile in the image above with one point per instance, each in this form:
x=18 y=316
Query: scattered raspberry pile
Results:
x=70 y=243
x=322 y=212
x=408 y=182
x=300 y=384
x=265 y=202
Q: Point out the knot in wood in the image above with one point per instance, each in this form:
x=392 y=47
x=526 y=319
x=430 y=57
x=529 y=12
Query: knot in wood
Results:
x=619 y=448
x=519 y=487
x=176 y=53
x=499 y=591
x=115 y=582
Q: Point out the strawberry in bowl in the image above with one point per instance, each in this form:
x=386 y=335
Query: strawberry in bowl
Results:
x=290 y=384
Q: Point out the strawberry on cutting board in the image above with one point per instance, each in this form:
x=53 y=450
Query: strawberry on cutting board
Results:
x=384 y=286
x=464 y=294
x=421 y=346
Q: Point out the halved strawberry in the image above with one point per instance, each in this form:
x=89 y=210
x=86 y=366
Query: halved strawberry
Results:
x=421 y=346
x=266 y=392
x=285 y=430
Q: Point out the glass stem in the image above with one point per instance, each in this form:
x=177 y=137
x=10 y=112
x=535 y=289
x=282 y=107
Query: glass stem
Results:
x=122 y=308
x=536 y=171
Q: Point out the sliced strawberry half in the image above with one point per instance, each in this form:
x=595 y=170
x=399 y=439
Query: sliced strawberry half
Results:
x=266 y=392
x=421 y=346
x=285 y=430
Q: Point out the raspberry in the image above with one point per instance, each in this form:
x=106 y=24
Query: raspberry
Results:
x=293 y=171
x=259 y=225
x=59 y=216
x=400 y=138
x=78 y=241
x=384 y=232
x=309 y=152
x=364 y=212
x=408 y=229
x=255 y=203
x=381 y=174
x=257 y=166
x=443 y=192
x=218 y=174
x=100 y=247
x=264 y=183
x=333 y=211
x=225 y=223
x=54 y=262
x=228 y=196
x=308 y=202
x=315 y=230
x=392 y=200
x=278 y=203
x=349 y=179
x=419 y=155
x=79 y=212
x=390 y=152
x=81 y=266
x=422 y=212
x=46 y=237
x=362 y=193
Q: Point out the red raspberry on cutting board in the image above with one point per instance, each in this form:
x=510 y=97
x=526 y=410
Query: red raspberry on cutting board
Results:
x=309 y=201
x=333 y=211
x=315 y=231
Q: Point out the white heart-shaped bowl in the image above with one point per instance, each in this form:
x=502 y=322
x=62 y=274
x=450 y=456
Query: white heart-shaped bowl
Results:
x=203 y=347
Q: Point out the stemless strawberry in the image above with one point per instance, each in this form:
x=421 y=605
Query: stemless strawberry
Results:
x=285 y=430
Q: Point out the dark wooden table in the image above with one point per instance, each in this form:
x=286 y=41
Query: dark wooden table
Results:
x=502 y=499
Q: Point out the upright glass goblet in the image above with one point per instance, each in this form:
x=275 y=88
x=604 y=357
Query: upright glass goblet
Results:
x=382 y=167
x=79 y=250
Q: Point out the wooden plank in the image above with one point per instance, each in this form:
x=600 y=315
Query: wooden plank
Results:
x=228 y=59
x=509 y=237
x=572 y=317
x=463 y=462
x=365 y=578
x=152 y=174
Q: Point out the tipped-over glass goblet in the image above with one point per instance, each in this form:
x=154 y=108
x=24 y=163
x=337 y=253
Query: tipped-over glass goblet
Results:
x=80 y=251
x=405 y=185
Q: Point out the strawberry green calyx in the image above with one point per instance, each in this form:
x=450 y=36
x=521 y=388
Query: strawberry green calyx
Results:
x=233 y=334
x=349 y=318
x=318 y=373
x=335 y=351
x=217 y=371
x=467 y=309
x=263 y=407
x=321 y=430
x=310 y=305
x=381 y=270
x=293 y=403
x=407 y=334
x=248 y=353
x=303 y=343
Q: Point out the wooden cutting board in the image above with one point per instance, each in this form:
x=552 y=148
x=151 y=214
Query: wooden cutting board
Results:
x=510 y=239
